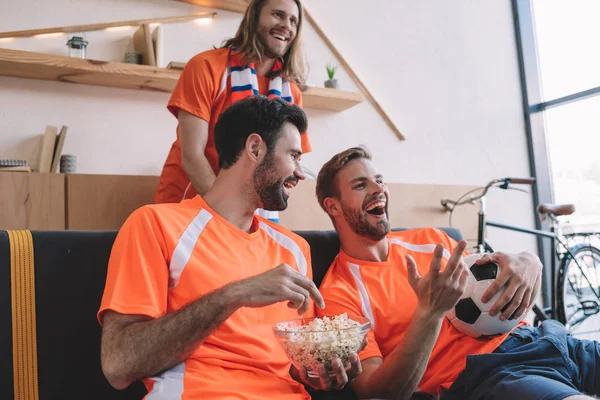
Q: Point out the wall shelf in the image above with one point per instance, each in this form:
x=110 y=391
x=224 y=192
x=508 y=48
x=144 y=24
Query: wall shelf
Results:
x=228 y=5
x=26 y=64
x=105 y=25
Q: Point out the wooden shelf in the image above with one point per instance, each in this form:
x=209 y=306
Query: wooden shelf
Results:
x=100 y=26
x=25 y=64
x=228 y=5
x=321 y=98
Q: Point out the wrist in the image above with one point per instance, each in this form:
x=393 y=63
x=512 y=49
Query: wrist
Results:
x=233 y=297
x=428 y=315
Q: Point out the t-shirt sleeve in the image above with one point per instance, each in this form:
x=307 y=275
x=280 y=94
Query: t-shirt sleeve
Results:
x=196 y=88
x=341 y=296
x=138 y=277
x=304 y=138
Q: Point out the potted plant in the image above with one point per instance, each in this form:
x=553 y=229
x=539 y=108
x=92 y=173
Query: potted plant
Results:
x=331 y=83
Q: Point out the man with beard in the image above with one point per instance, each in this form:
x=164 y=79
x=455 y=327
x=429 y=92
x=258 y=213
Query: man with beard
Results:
x=405 y=283
x=194 y=288
x=265 y=57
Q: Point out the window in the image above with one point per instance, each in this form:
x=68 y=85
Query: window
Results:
x=559 y=61
x=567 y=34
x=573 y=132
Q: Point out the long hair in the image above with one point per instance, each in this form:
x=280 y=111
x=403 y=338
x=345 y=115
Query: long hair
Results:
x=249 y=46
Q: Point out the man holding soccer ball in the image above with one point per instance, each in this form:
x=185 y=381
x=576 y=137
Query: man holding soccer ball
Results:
x=406 y=282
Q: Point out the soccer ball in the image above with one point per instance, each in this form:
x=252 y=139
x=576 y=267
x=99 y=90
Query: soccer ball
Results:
x=470 y=314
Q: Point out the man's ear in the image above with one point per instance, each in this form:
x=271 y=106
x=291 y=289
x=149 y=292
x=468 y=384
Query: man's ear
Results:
x=255 y=147
x=332 y=206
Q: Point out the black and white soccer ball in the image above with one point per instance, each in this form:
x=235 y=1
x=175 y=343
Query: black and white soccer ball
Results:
x=470 y=315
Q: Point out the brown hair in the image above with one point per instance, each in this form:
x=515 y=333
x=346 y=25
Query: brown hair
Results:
x=247 y=43
x=326 y=181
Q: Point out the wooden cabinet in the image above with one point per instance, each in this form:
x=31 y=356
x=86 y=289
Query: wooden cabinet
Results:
x=71 y=201
x=103 y=202
x=32 y=201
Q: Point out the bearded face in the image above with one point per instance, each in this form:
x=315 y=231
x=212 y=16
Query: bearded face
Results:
x=363 y=199
x=371 y=219
x=277 y=27
x=279 y=171
x=270 y=186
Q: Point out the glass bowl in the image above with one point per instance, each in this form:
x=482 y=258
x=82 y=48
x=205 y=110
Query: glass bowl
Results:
x=308 y=343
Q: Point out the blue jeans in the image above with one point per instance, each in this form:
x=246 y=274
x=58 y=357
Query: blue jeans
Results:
x=543 y=363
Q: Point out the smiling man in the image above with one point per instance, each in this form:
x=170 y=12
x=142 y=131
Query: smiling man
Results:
x=194 y=288
x=405 y=282
x=265 y=57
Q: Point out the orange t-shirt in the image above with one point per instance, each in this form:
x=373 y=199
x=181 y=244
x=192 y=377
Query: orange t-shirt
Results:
x=204 y=90
x=380 y=292
x=169 y=255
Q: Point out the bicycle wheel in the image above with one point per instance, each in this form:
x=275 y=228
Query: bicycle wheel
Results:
x=578 y=292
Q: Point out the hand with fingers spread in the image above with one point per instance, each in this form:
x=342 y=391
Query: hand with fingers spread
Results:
x=282 y=283
x=334 y=379
x=520 y=275
x=439 y=291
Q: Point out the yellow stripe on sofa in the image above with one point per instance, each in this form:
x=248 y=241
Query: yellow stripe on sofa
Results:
x=25 y=374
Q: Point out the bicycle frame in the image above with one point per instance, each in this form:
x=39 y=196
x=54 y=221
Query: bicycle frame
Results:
x=548 y=299
x=561 y=248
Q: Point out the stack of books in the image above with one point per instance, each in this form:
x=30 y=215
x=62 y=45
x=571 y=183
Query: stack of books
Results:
x=50 y=152
x=52 y=146
x=14 y=165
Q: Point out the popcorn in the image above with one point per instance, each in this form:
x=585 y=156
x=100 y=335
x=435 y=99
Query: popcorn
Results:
x=321 y=341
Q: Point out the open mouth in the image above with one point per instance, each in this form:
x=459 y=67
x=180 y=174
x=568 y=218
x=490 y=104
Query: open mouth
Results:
x=376 y=208
x=289 y=185
x=280 y=36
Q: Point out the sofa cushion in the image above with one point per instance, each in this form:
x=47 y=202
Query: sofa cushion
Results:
x=70 y=270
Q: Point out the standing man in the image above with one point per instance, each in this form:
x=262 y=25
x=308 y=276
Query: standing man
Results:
x=265 y=57
x=194 y=288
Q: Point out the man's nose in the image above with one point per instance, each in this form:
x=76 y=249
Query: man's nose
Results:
x=287 y=24
x=375 y=188
x=299 y=173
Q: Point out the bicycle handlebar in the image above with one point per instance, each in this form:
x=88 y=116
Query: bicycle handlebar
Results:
x=521 y=181
x=504 y=182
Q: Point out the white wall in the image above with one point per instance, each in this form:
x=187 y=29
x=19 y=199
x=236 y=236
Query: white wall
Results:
x=446 y=72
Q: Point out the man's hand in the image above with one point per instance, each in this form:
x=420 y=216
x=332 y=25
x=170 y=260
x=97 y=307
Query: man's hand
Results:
x=335 y=379
x=282 y=283
x=521 y=275
x=439 y=291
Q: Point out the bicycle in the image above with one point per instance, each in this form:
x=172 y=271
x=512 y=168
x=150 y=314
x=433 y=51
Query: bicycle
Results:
x=575 y=288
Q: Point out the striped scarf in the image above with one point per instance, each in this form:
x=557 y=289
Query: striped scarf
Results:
x=245 y=84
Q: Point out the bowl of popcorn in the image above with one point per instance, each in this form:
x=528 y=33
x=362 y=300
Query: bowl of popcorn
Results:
x=309 y=342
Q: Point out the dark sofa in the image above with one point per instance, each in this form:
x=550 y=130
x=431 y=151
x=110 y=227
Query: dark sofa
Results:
x=70 y=270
